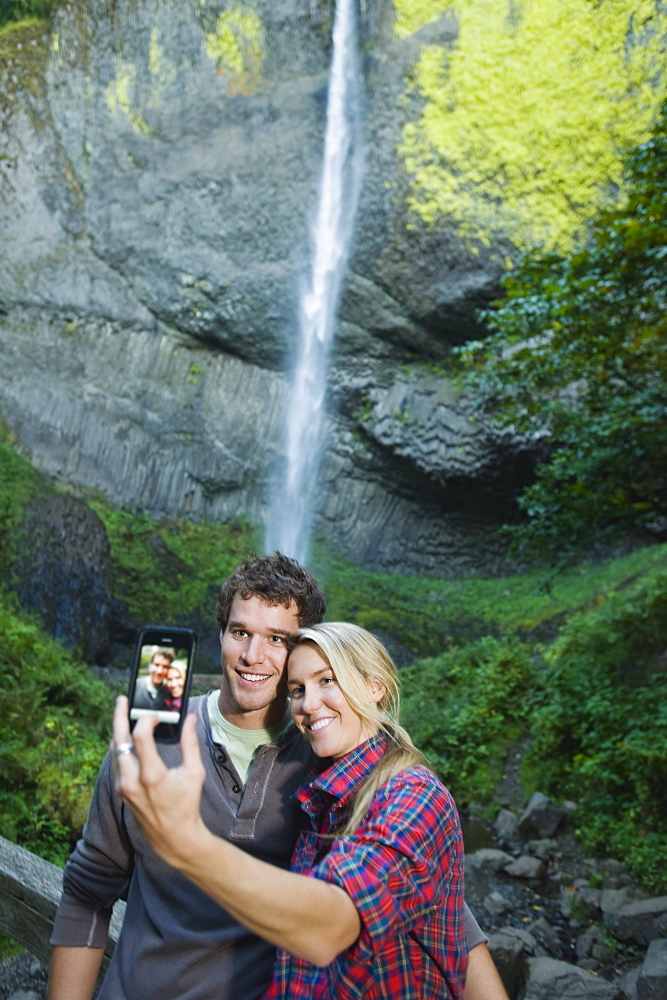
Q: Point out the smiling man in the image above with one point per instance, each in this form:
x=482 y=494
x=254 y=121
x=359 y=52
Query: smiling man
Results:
x=176 y=943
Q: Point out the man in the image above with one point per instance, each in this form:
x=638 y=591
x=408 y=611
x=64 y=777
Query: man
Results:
x=176 y=943
x=151 y=690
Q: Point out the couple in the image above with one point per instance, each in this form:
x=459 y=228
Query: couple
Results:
x=161 y=689
x=205 y=924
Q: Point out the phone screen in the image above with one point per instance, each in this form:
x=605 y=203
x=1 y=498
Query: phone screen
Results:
x=161 y=678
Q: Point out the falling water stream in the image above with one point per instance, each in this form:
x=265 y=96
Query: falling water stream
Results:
x=291 y=512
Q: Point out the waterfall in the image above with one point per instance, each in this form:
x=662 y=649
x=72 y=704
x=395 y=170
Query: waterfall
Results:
x=291 y=512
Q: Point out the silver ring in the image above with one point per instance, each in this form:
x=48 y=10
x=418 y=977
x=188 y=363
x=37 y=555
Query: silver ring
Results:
x=124 y=748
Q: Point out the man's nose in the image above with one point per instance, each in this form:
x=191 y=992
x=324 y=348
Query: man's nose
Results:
x=254 y=650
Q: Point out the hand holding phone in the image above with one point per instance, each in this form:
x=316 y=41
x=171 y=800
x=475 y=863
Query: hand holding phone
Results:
x=161 y=678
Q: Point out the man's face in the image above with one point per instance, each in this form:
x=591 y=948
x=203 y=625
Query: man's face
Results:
x=253 y=692
x=159 y=667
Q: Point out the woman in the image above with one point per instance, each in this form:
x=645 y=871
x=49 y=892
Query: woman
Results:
x=383 y=915
x=175 y=686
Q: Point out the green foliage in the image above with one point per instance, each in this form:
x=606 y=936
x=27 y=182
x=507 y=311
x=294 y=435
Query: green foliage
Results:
x=169 y=570
x=600 y=729
x=425 y=614
x=18 y=483
x=579 y=357
x=465 y=708
x=21 y=10
x=54 y=729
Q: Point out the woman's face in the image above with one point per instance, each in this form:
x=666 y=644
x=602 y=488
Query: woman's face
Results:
x=175 y=682
x=319 y=707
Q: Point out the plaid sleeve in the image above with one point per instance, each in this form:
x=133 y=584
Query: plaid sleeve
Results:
x=405 y=860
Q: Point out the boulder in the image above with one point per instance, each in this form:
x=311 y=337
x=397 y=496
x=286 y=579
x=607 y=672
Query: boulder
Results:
x=541 y=817
x=652 y=979
x=488 y=859
x=639 y=922
x=591 y=945
x=508 y=948
x=496 y=904
x=549 y=978
x=526 y=867
x=547 y=936
x=506 y=826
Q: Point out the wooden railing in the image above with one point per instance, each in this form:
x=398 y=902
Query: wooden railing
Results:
x=29 y=895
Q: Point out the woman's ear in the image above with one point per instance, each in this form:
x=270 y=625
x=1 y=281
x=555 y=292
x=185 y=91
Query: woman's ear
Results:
x=377 y=689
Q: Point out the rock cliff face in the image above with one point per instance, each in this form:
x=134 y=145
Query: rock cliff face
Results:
x=159 y=173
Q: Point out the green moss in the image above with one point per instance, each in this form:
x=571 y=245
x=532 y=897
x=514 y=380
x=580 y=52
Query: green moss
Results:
x=237 y=48
x=23 y=54
x=424 y=614
x=120 y=93
x=525 y=117
x=411 y=15
x=170 y=570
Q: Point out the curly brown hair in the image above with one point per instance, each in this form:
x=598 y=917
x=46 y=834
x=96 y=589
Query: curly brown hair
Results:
x=276 y=579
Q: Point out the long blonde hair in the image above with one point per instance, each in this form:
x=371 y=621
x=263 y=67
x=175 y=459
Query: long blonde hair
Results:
x=359 y=660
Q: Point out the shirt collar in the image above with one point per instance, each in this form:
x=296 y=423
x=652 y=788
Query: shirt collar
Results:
x=341 y=778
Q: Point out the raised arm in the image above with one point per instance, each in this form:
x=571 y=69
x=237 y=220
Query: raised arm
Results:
x=308 y=917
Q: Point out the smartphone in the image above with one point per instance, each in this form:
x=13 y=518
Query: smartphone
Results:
x=161 y=677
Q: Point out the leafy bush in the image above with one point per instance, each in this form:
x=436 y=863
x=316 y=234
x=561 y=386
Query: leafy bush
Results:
x=20 y=10
x=54 y=730
x=465 y=708
x=578 y=360
x=600 y=730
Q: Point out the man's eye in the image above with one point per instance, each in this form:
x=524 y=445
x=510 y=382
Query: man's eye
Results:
x=276 y=639
x=240 y=632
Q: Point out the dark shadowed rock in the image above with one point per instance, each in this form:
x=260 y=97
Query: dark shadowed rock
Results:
x=549 y=978
x=641 y=921
x=509 y=947
x=652 y=979
x=60 y=572
x=541 y=818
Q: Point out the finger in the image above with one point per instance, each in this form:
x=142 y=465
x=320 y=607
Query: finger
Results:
x=190 y=752
x=145 y=749
x=121 y=722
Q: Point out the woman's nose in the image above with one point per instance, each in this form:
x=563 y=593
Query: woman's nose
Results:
x=311 y=700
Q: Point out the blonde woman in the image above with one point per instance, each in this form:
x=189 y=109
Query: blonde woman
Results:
x=373 y=905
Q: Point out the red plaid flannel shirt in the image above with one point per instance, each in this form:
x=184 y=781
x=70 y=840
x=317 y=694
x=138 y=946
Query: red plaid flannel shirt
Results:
x=403 y=868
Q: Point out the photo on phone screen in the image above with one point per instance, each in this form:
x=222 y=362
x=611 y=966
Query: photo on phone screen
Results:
x=161 y=678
